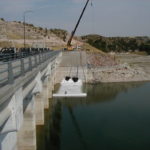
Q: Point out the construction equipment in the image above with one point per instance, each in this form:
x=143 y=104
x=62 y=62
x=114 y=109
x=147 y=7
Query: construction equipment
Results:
x=69 y=46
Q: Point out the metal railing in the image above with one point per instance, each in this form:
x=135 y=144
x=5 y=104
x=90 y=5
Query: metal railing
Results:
x=18 y=65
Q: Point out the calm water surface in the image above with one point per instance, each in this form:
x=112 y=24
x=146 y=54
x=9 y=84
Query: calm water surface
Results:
x=112 y=117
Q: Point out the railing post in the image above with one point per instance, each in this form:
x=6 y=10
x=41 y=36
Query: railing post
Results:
x=30 y=63
x=35 y=59
x=42 y=58
x=22 y=66
x=45 y=56
x=39 y=58
x=10 y=73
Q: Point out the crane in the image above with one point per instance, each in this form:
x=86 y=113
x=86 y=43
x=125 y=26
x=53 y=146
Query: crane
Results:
x=69 y=47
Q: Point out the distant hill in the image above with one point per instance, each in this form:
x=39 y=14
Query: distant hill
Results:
x=118 y=44
x=60 y=33
x=12 y=35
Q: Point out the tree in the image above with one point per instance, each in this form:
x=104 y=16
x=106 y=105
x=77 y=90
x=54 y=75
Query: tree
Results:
x=2 y=19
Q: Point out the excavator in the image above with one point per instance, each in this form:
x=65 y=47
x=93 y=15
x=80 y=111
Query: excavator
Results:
x=69 y=46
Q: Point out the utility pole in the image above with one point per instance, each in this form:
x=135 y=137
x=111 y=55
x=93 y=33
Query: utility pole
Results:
x=24 y=24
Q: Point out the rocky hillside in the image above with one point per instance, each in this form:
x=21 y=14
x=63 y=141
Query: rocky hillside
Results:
x=118 y=44
x=12 y=34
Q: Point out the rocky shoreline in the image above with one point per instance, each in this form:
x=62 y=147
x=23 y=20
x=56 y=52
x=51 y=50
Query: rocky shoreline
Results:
x=97 y=68
x=113 y=70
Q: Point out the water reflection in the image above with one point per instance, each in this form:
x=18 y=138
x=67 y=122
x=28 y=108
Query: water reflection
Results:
x=77 y=127
x=103 y=92
x=95 y=123
x=55 y=128
x=108 y=91
x=48 y=136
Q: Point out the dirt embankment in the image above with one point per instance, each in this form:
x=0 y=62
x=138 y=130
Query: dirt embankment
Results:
x=118 y=68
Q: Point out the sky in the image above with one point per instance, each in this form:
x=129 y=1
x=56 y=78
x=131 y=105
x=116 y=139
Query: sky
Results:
x=104 y=17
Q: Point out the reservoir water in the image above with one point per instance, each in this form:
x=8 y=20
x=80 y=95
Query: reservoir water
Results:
x=114 y=116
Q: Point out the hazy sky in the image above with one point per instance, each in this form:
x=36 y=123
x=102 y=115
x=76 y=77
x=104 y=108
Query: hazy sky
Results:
x=105 y=17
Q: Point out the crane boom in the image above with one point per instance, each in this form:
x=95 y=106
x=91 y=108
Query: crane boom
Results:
x=73 y=32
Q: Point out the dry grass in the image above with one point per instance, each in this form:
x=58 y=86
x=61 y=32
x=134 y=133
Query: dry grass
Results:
x=139 y=53
x=58 y=47
x=6 y=44
x=86 y=47
x=20 y=45
x=14 y=36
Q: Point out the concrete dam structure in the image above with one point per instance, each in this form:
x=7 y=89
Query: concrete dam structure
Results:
x=26 y=85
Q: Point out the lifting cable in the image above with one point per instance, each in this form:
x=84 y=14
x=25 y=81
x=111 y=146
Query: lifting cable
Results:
x=82 y=66
x=92 y=18
x=69 y=72
x=77 y=71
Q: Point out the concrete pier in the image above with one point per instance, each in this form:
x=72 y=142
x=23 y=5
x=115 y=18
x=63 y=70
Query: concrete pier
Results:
x=39 y=109
x=26 y=139
x=45 y=95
